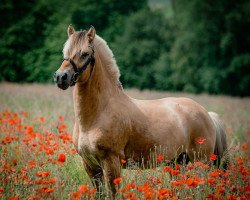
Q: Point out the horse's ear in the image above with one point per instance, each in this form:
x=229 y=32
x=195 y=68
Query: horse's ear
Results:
x=71 y=30
x=91 y=33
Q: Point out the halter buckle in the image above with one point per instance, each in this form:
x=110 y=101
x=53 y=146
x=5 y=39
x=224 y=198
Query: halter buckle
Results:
x=75 y=76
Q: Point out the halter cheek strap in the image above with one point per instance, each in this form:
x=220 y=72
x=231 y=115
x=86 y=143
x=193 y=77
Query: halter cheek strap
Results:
x=88 y=60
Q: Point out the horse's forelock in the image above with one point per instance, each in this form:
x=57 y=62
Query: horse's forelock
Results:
x=74 y=44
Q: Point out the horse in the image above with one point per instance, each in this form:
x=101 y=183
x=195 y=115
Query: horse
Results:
x=110 y=126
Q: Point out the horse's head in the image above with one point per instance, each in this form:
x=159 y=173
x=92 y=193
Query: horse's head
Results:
x=78 y=55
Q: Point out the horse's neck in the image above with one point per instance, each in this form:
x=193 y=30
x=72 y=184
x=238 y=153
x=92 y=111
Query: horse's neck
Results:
x=91 y=98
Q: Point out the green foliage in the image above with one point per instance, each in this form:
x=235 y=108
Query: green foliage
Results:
x=195 y=46
x=137 y=49
x=212 y=46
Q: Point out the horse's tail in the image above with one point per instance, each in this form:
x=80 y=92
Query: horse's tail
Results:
x=221 y=143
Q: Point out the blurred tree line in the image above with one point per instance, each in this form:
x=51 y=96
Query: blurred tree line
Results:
x=202 y=46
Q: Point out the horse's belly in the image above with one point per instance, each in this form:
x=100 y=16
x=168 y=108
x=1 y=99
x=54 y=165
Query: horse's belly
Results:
x=144 y=147
x=163 y=131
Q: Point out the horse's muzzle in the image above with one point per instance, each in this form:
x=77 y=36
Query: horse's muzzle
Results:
x=62 y=79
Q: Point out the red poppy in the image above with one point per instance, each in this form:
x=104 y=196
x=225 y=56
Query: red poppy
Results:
x=45 y=174
x=160 y=158
x=130 y=186
x=214 y=173
x=123 y=161
x=178 y=183
x=117 y=181
x=167 y=169
x=42 y=174
x=244 y=146
x=49 y=190
x=42 y=119
x=200 y=140
x=174 y=172
x=92 y=192
x=83 y=189
x=191 y=182
x=213 y=157
x=73 y=151
x=211 y=181
x=52 y=180
x=76 y=195
x=164 y=192
x=61 y=157
x=31 y=164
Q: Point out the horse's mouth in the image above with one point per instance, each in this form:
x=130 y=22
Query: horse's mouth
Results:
x=63 y=86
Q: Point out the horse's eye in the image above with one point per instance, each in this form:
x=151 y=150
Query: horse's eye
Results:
x=84 y=55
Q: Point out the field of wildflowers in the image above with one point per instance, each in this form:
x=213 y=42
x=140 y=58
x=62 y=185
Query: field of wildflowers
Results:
x=39 y=161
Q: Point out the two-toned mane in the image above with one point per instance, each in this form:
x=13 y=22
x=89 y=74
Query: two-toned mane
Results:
x=110 y=126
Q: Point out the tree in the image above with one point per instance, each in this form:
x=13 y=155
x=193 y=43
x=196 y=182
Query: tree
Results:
x=210 y=37
x=137 y=49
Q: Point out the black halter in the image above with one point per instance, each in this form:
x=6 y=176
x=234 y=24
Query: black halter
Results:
x=89 y=59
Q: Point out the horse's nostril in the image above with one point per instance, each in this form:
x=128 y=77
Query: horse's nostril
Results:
x=57 y=79
x=64 y=77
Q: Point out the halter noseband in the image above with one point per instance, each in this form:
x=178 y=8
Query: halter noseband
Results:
x=88 y=60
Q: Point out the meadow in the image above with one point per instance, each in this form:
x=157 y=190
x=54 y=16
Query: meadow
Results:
x=39 y=161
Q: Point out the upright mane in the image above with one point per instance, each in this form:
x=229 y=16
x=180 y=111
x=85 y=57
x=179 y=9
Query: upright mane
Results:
x=76 y=43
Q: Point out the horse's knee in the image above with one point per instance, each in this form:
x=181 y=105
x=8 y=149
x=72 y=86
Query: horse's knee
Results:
x=95 y=173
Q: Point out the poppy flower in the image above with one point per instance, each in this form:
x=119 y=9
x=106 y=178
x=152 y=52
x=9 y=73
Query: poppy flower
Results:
x=164 y=192
x=214 y=173
x=123 y=161
x=130 y=186
x=211 y=181
x=178 y=183
x=191 y=182
x=42 y=119
x=61 y=157
x=42 y=174
x=244 y=146
x=83 y=189
x=73 y=151
x=160 y=158
x=200 y=140
x=117 y=181
x=213 y=157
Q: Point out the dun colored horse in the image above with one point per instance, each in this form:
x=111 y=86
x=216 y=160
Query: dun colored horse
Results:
x=110 y=126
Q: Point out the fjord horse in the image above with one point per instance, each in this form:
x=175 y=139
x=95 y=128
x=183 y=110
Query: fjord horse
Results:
x=110 y=126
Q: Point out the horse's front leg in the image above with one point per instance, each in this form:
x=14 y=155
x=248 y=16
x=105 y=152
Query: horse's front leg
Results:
x=111 y=170
x=96 y=176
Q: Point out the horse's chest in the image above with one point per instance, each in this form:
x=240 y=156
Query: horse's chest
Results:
x=86 y=143
x=90 y=143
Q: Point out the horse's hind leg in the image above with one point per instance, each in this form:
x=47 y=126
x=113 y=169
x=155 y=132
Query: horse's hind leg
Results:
x=96 y=176
x=183 y=158
x=200 y=152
